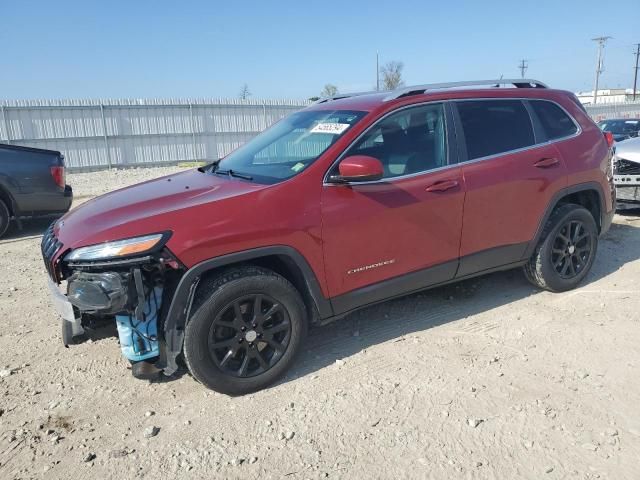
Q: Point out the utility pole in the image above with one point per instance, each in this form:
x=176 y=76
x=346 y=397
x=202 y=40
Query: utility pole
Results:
x=635 y=75
x=523 y=67
x=377 y=72
x=599 y=65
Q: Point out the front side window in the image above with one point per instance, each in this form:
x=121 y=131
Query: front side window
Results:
x=555 y=123
x=406 y=142
x=288 y=147
x=492 y=127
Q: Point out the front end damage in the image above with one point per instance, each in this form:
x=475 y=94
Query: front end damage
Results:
x=134 y=291
x=626 y=174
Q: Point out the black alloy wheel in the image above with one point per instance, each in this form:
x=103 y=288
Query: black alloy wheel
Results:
x=249 y=335
x=571 y=249
x=248 y=325
x=566 y=250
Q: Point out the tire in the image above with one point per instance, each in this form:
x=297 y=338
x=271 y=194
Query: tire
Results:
x=566 y=249
x=231 y=350
x=5 y=217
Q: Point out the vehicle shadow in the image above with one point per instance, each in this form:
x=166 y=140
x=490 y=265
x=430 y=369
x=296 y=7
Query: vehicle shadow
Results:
x=396 y=319
x=620 y=245
x=32 y=227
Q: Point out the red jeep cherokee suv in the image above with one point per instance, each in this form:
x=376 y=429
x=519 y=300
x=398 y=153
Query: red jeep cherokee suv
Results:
x=352 y=201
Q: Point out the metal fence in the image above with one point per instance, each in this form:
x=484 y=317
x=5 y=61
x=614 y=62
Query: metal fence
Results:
x=614 y=110
x=95 y=134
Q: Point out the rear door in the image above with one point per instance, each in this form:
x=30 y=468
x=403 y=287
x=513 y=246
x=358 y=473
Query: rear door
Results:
x=511 y=171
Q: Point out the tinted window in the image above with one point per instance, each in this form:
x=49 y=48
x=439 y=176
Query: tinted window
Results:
x=494 y=126
x=555 y=123
x=409 y=141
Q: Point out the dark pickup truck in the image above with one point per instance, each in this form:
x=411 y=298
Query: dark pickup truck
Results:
x=32 y=184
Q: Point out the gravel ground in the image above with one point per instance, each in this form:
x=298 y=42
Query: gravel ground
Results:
x=489 y=378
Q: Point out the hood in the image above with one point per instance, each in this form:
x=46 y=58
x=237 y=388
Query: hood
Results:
x=150 y=207
x=629 y=149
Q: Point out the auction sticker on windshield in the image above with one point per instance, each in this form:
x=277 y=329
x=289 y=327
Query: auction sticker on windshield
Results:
x=332 y=128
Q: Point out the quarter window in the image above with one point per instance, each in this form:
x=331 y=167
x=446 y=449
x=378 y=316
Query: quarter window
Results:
x=492 y=127
x=410 y=141
x=555 y=123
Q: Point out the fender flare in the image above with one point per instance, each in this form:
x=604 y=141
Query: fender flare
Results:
x=559 y=195
x=180 y=306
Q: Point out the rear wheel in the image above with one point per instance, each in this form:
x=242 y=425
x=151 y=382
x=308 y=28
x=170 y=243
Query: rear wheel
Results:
x=566 y=250
x=5 y=216
x=245 y=335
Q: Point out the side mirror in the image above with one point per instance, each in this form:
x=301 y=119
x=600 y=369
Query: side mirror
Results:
x=358 y=168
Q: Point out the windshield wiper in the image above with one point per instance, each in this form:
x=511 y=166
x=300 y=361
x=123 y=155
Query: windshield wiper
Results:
x=209 y=167
x=231 y=173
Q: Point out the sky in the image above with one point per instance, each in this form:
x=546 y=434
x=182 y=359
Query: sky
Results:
x=292 y=48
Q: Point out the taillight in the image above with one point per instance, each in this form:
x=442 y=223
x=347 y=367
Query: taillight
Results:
x=58 y=176
x=609 y=138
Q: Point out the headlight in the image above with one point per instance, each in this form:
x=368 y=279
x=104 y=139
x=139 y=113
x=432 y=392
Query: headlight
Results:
x=118 y=248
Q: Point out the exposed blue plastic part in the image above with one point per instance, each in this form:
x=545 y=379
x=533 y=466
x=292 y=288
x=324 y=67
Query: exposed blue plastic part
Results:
x=139 y=339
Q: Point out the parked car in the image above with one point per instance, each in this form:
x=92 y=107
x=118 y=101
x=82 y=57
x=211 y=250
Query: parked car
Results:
x=626 y=169
x=32 y=183
x=621 y=128
x=347 y=203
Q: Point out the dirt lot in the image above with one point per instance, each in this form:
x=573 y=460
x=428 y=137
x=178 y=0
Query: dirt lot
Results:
x=490 y=378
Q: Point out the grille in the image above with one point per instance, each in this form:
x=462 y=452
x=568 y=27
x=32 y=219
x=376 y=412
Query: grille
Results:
x=625 y=167
x=49 y=246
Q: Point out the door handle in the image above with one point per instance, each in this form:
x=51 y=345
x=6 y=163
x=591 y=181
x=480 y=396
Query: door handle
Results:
x=546 y=162
x=442 y=186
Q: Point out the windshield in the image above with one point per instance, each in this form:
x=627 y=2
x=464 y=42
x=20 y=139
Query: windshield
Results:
x=288 y=147
x=626 y=127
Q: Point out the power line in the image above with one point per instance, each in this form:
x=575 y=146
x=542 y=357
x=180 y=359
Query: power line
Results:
x=635 y=74
x=523 y=67
x=377 y=72
x=599 y=64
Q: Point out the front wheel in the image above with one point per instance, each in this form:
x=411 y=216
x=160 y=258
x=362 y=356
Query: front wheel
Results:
x=566 y=250
x=245 y=335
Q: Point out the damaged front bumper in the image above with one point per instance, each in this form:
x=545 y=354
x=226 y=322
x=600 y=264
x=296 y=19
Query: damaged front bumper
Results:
x=71 y=324
x=627 y=190
x=128 y=292
x=626 y=179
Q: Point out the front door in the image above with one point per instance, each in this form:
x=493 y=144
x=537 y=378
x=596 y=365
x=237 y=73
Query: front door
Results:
x=407 y=223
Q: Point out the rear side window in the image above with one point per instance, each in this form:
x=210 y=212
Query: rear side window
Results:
x=555 y=122
x=492 y=127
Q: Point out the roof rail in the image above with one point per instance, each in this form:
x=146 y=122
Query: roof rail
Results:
x=339 y=96
x=418 y=89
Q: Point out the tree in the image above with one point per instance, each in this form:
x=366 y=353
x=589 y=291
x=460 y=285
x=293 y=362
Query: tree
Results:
x=244 y=93
x=329 y=90
x=391 y=73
